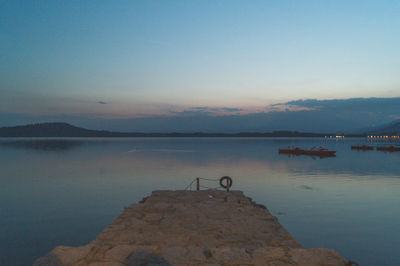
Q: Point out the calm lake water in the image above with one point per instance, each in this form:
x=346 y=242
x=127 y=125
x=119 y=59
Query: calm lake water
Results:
x=65 y=191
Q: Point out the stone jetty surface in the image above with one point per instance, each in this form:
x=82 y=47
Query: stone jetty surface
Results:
x=206 y=227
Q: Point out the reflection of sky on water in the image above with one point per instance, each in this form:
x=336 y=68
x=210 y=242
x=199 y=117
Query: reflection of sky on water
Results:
x=67 y=196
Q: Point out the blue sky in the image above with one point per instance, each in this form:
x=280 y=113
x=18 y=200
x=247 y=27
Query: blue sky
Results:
x=130 y=59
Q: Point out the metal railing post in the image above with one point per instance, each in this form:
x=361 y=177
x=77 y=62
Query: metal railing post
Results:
x=197 y=183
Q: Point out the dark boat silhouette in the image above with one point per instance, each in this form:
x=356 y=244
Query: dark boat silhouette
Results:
x=362 y=147
x=388 y=148
x=321 y=152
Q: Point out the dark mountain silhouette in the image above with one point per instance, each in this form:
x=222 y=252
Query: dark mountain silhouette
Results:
x=52 y=130
x=67 y=130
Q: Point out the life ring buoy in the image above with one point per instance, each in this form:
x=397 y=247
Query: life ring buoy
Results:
x=228 y=184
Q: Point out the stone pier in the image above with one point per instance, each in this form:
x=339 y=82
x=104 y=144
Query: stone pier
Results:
x=206 y=227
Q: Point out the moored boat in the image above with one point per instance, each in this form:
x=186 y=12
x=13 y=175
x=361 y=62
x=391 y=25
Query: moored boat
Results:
x=322 y=152
x=291 y=151
x=388 y=148
x=362 y=147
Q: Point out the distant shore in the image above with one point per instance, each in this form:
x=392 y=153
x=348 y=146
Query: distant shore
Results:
x=51 y=130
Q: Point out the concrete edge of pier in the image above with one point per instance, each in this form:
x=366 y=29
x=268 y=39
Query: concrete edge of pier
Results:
x=207 y=227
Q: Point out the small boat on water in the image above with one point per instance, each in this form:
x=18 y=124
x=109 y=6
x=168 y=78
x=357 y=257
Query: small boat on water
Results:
x=388 y=148
x=291 y=151
x=321 y=152
x=362 y=147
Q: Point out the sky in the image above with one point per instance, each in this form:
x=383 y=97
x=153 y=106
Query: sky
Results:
x=144 y=59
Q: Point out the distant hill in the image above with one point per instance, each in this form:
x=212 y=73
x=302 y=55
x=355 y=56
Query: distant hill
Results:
x=53 y=130
x=392 y=128
x=67 y=130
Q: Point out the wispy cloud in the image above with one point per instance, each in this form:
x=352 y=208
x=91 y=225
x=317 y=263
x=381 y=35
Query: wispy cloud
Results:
x=205 y=110
x=395 y=117
x=286 y=107
x=217 y=109
x=191 y=112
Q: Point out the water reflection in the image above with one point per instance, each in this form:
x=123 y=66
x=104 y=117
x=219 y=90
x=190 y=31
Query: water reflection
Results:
x=43 y=145
x=350 y=202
